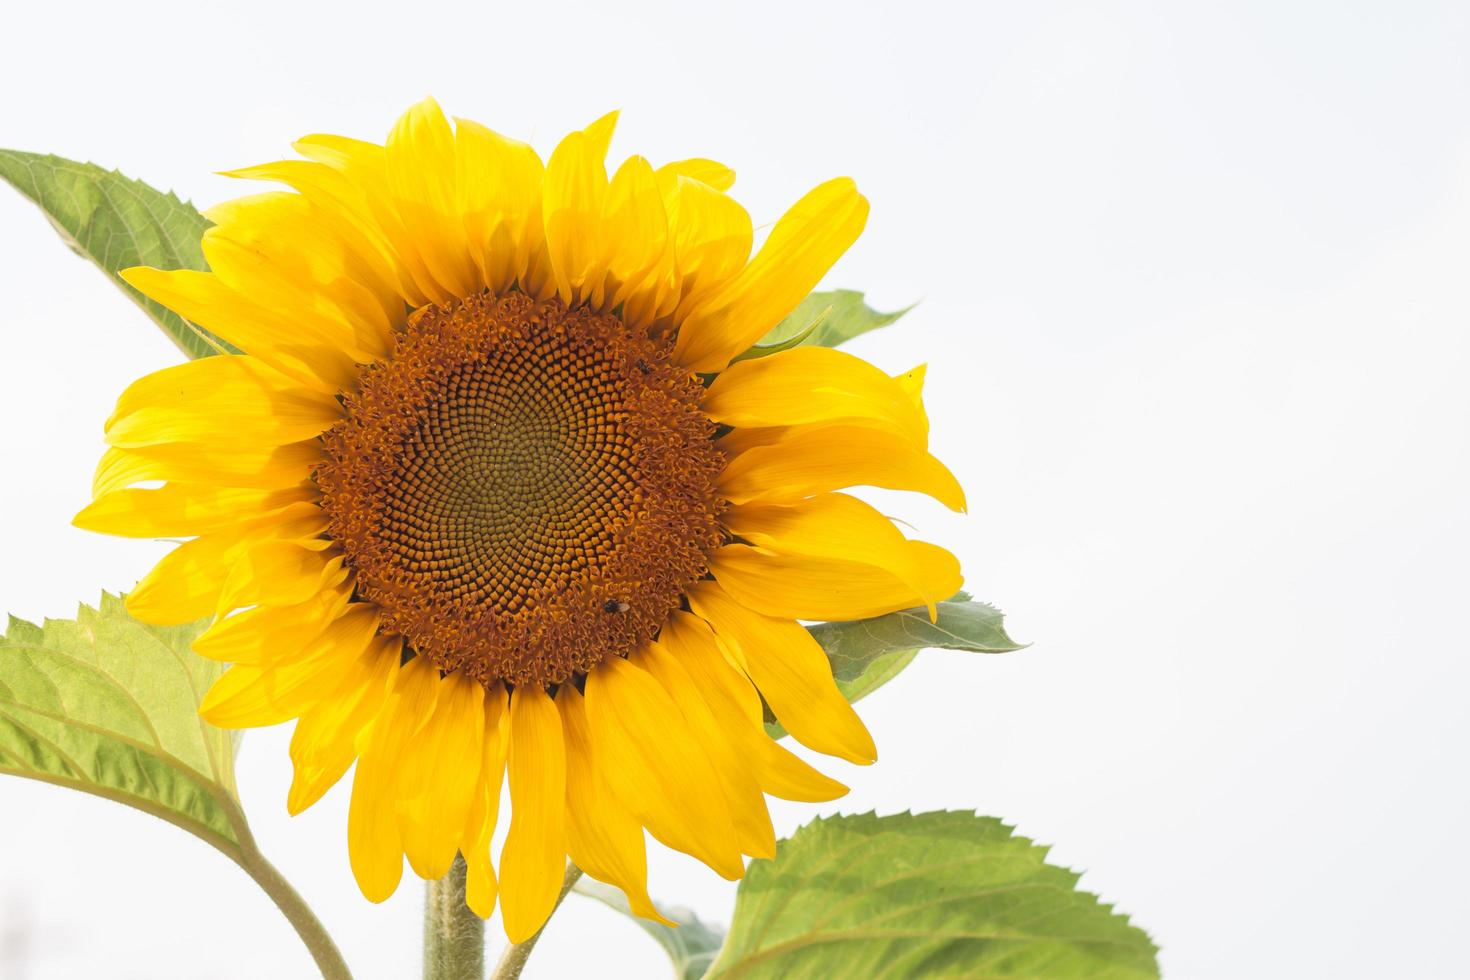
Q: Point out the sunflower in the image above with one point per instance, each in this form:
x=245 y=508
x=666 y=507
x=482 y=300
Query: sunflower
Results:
x=491 y=496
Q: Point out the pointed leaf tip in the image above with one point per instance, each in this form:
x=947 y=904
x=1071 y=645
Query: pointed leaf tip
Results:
x=115 y=223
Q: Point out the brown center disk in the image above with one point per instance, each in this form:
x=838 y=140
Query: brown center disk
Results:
x=525 y=490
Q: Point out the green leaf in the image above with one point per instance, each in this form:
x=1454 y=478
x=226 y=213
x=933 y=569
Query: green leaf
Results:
x=879 y=671
x=960 y=624
x=109 y=706
x=824 y=319
x=795 y=340
x=868 y=653
x=944 y=894
x=692 y=946
x=117 y=223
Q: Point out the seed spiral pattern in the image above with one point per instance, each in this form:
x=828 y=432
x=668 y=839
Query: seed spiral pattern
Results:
x=524 y=490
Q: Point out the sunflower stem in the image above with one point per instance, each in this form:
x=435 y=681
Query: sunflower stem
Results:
x=513 y=960
x=318 y=941
x=454 y=937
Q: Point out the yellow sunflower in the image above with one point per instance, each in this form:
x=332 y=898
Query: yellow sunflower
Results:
x=489 y=495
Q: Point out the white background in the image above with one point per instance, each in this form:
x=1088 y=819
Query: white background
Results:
x=1194 y=284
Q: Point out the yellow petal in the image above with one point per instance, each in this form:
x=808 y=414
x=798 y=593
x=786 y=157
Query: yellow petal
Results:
x=260 y=467
x=664 y=776
x=709 y=236
x=362 y=184
x=222 y=400
x=837 y=526
x=712 y=236
x=185 y=584
x=195 y=382
x=725 y=748
x=499 y=183
x=716 y=175
x=912 y=382
x=811 y=236
x=314 y=241
x=737 y=708
x=182 y=509
x=814 y=588
x=324 y=744
x=279 y=573
x=574 y=198
x=792 y=673
x=604 y=839
x=481 y=886
x=313 y=360
x=533 y=860
x=834 y=457
x=261 y=636
x=275 y=249
x=637 y=233
x=436 y=792
x=251 y=697
x=812 y=384
x=421 y=172
x=373 y=843
x=338 y=204
x=600 y=133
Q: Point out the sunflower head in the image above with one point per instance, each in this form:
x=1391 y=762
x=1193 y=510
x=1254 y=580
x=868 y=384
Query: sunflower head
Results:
x=557 y=500
x=487 y=497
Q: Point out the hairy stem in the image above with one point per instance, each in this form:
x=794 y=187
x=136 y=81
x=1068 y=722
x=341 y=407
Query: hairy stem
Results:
x=513 y=960
x=454 y=937
x=328 y=958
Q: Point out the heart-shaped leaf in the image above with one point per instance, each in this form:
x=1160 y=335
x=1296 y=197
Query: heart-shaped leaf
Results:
x=109 y=706
x=945 y=894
